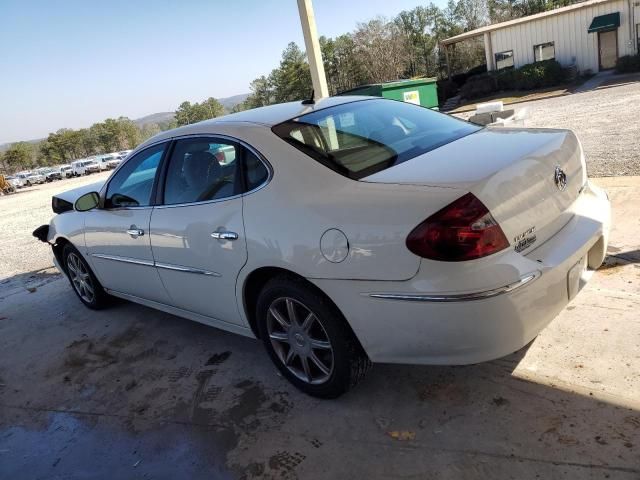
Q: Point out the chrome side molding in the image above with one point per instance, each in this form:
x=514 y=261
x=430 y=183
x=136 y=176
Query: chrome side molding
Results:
x=116 y=258
x=150 y=263
x=180 y=268
x=462 y=297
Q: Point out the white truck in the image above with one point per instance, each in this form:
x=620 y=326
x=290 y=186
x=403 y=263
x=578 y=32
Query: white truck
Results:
x=108 y=161
x=66 y=171
x=35 y=178
x=84 y=166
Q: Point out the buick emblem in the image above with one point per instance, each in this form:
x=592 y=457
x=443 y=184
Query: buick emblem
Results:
x=560 y=178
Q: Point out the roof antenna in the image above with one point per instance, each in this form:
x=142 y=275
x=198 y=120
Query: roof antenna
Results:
x=309 y=101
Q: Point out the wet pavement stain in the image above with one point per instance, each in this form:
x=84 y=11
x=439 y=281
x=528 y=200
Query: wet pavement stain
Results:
x=285 y=461
x=248 y=402
x=200 y=414
x=65 y=442
x=218 y=358
x=84 y=353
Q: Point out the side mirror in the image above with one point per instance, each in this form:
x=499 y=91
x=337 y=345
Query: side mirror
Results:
x=87 y=202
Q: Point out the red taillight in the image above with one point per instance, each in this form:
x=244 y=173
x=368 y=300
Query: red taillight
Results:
x=463 y=230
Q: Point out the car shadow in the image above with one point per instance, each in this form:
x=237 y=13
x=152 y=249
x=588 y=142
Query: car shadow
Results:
x=618 y=257
x=28 y=281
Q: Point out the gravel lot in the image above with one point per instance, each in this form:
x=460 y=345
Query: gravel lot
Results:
x=607 y=121
x=22 y=213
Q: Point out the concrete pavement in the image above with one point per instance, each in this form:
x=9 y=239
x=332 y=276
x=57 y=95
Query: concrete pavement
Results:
x=134 y=393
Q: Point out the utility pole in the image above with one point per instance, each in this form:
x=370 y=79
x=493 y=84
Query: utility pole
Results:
x=314 y=56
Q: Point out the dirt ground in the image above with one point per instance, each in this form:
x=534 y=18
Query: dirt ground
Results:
x=607 y=121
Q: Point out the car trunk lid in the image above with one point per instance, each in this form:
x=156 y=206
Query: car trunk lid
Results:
x=517 y=173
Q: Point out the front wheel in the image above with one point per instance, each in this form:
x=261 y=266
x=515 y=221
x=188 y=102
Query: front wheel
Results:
x=308 y=339
x=82 y=279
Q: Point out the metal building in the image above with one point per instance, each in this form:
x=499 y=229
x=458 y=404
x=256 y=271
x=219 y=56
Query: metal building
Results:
x=590 y=35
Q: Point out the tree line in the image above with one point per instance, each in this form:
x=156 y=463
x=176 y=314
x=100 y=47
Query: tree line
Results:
x=384 y=49
x=67 y=144
x=112 y=135
x=378 y=50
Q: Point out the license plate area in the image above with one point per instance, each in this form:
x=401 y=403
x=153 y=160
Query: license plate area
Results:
x=577 y=277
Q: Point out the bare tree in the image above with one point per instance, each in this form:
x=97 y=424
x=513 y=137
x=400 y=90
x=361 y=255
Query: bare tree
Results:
x=382 y=50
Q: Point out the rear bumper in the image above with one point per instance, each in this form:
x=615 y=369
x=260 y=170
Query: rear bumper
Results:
x=444 y=319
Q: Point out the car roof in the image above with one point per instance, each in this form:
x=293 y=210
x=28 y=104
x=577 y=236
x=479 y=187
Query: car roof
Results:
x=274 y=114
x=267 y=116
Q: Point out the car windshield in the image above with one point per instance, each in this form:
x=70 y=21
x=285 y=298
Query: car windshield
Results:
x=360 y=138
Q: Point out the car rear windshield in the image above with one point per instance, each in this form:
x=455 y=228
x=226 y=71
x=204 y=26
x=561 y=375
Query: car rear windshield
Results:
x=360 y=138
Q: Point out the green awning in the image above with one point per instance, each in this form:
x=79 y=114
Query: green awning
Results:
x=605 y=22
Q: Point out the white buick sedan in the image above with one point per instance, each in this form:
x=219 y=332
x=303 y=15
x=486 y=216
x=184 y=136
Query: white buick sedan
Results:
x=349 y=231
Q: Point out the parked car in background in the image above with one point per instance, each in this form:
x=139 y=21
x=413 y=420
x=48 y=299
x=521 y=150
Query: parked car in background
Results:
x=114 y=162
x=76 y=167
x=349 y=231
x=15 y=181
x=66 y=171
x=53 y=173
x=91 y=167
x=101 y=160
x=123 y=154
x=108 y=161
x=36 y=178
x=24 y=178
x=84 y=167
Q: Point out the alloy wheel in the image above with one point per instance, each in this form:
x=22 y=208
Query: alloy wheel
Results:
x=80 y=278
x=300 y=341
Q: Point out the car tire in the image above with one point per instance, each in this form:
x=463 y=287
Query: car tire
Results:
x=83 y=281
x=318 y=336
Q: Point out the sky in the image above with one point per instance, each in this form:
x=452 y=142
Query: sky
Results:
x=73 y=63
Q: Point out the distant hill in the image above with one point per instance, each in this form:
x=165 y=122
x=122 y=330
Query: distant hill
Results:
x=5 y=146
x=162 y=117
x=230 y=102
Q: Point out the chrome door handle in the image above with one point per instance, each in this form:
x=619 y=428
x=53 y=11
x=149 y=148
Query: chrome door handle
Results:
x=225 y=235
x=135 y=232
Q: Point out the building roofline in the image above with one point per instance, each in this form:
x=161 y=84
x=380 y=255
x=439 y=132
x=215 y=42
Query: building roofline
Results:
x=517 y=21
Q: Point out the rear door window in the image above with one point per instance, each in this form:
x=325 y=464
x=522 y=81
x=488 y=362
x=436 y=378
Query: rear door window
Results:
x=361 y=138
x=202 y=169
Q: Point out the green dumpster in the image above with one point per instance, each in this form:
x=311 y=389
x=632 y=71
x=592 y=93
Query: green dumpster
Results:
x=422 y=91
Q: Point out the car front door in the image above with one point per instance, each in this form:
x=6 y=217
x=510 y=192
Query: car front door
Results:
x=197 y=233
x=117 y=234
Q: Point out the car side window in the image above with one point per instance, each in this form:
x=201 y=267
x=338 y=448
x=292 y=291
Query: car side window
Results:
x=202 y=169
x=255 y=171
x=131 y=186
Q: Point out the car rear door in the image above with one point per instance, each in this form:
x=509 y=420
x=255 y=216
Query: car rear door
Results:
x=117 y=234
x=197 y=234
